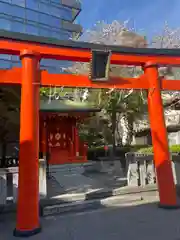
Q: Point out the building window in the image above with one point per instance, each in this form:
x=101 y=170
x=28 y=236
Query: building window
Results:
x=18 y=11
x=55 y=1
x=48 y=68
x=31 y=29
x=7 y=1
x=17 y=64
x=32 y=15
x=50 y=62
x=54 y=22
x=43 y=7
x=17 y=19
x=5 y=64
x=61 y=12
x=55 y=11
x=45 y=32
x=17 y=27
x=14 y=58
x=44 y=18
x=32 y=4
x=46 y=1
x=61 y=35
x=66 y=14
x=36 y=17
x=5 y=56
x=57 y=35
x=66 y=34
x=6 y=8
x=20 y=3
x=5 y=24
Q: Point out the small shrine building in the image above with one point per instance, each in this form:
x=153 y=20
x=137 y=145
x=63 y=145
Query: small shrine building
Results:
x=59 y=137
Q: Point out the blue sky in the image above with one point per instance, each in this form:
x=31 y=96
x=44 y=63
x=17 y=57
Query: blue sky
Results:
x=148 y=16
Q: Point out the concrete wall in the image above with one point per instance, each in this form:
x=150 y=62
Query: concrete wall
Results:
x=141 y=170
x=174 y=138
x=9 y=183
x=140 y=141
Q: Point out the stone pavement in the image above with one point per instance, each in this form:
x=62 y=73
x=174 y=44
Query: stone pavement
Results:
x=141 y=220
x=74 y=180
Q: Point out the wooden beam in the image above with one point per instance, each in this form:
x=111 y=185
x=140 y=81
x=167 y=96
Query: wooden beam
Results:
x=14 y=43
x=79 y=55
x=170 y=85
x=10 y=76
x=13 y=76
x=67 y=80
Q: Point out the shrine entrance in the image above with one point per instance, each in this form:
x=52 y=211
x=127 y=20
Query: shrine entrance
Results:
x=59 y=137
x=31 y=50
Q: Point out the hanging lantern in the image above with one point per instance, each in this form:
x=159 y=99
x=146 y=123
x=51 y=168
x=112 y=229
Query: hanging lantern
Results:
x=100 y=65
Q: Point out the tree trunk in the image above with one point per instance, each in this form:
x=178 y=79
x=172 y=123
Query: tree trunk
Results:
x=113 y=135
x=118 y=130
x=130 y=134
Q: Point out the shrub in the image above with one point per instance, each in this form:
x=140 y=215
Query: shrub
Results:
x=175 y=148
x=146 y=150
x=149 y=150
x=95 y=152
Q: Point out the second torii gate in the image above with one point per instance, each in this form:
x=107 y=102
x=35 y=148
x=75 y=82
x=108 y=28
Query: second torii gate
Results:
x=31 y=50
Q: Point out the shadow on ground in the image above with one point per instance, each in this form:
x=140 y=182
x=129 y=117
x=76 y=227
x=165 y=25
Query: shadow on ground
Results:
x=141 y=220
x=81 y=181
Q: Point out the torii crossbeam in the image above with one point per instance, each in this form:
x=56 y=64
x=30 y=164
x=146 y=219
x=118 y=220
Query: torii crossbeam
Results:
x=31 y=50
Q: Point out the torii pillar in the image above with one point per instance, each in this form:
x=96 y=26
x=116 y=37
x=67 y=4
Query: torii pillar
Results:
x=28 y=222
x=167 y=191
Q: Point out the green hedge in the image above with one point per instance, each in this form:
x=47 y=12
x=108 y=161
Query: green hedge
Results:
x=95 y=152
x=148 y=150
x=124 y=148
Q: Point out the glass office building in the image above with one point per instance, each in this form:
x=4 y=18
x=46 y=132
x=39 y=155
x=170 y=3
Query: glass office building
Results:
x=48 y=18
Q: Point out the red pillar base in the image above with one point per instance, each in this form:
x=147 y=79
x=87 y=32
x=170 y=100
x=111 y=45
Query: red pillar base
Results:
x=29 y=233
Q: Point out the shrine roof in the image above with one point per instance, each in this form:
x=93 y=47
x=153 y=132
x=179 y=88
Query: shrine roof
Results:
x=64 y=106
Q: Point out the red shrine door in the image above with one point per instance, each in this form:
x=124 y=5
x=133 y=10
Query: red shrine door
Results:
x=59 y=140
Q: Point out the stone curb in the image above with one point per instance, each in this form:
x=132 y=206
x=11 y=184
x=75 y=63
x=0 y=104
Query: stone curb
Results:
x=96 y=200
x=70 y=207
x=97 y=195
x=87 y=205
x=120 y=191
x=93 y=197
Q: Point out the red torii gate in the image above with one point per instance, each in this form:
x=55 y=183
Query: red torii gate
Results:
x=31 y=50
